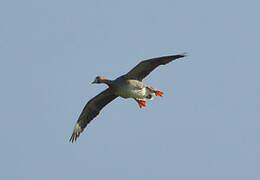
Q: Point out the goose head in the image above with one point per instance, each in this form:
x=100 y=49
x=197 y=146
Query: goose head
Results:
x=98 y=80
x=101 y=79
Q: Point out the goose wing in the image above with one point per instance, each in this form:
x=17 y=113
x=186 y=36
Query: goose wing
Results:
x=91 y=110
x=144 y=68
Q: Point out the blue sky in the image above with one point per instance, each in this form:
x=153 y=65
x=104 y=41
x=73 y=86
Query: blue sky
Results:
x=205 y=127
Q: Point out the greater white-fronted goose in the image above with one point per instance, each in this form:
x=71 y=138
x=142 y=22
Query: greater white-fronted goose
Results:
x=129 y=85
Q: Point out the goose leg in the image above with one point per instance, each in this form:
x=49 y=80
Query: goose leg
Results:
x=141 y=102
x=157 y=93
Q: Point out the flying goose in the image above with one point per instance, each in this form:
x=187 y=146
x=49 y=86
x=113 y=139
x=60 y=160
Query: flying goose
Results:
x=129 y=85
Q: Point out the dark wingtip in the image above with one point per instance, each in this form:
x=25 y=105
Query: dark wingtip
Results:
x=73 y=138
x=76 y=132
x=182 y=55
x=177 y=56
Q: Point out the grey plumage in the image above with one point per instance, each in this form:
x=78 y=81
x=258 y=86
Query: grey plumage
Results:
x=144 y=68
x=91 y=110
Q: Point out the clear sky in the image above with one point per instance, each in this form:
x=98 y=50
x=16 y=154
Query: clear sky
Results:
x=207 y=125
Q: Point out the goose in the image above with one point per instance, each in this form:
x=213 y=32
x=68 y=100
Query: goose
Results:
x=129 y=85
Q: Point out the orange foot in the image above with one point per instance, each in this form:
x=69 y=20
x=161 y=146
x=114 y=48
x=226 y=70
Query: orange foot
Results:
x=141 y=103
x=158 y=93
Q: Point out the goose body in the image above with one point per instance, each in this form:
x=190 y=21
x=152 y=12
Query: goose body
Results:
x=129 y=85
x=130 y=88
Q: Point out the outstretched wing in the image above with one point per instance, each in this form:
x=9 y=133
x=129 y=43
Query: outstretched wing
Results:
x=91 y=110
x=144 y=68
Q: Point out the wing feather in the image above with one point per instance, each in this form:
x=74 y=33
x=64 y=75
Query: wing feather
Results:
x=91 y=110
x=144 y=68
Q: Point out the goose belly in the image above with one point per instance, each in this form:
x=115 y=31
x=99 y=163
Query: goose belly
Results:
x=133 y=93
